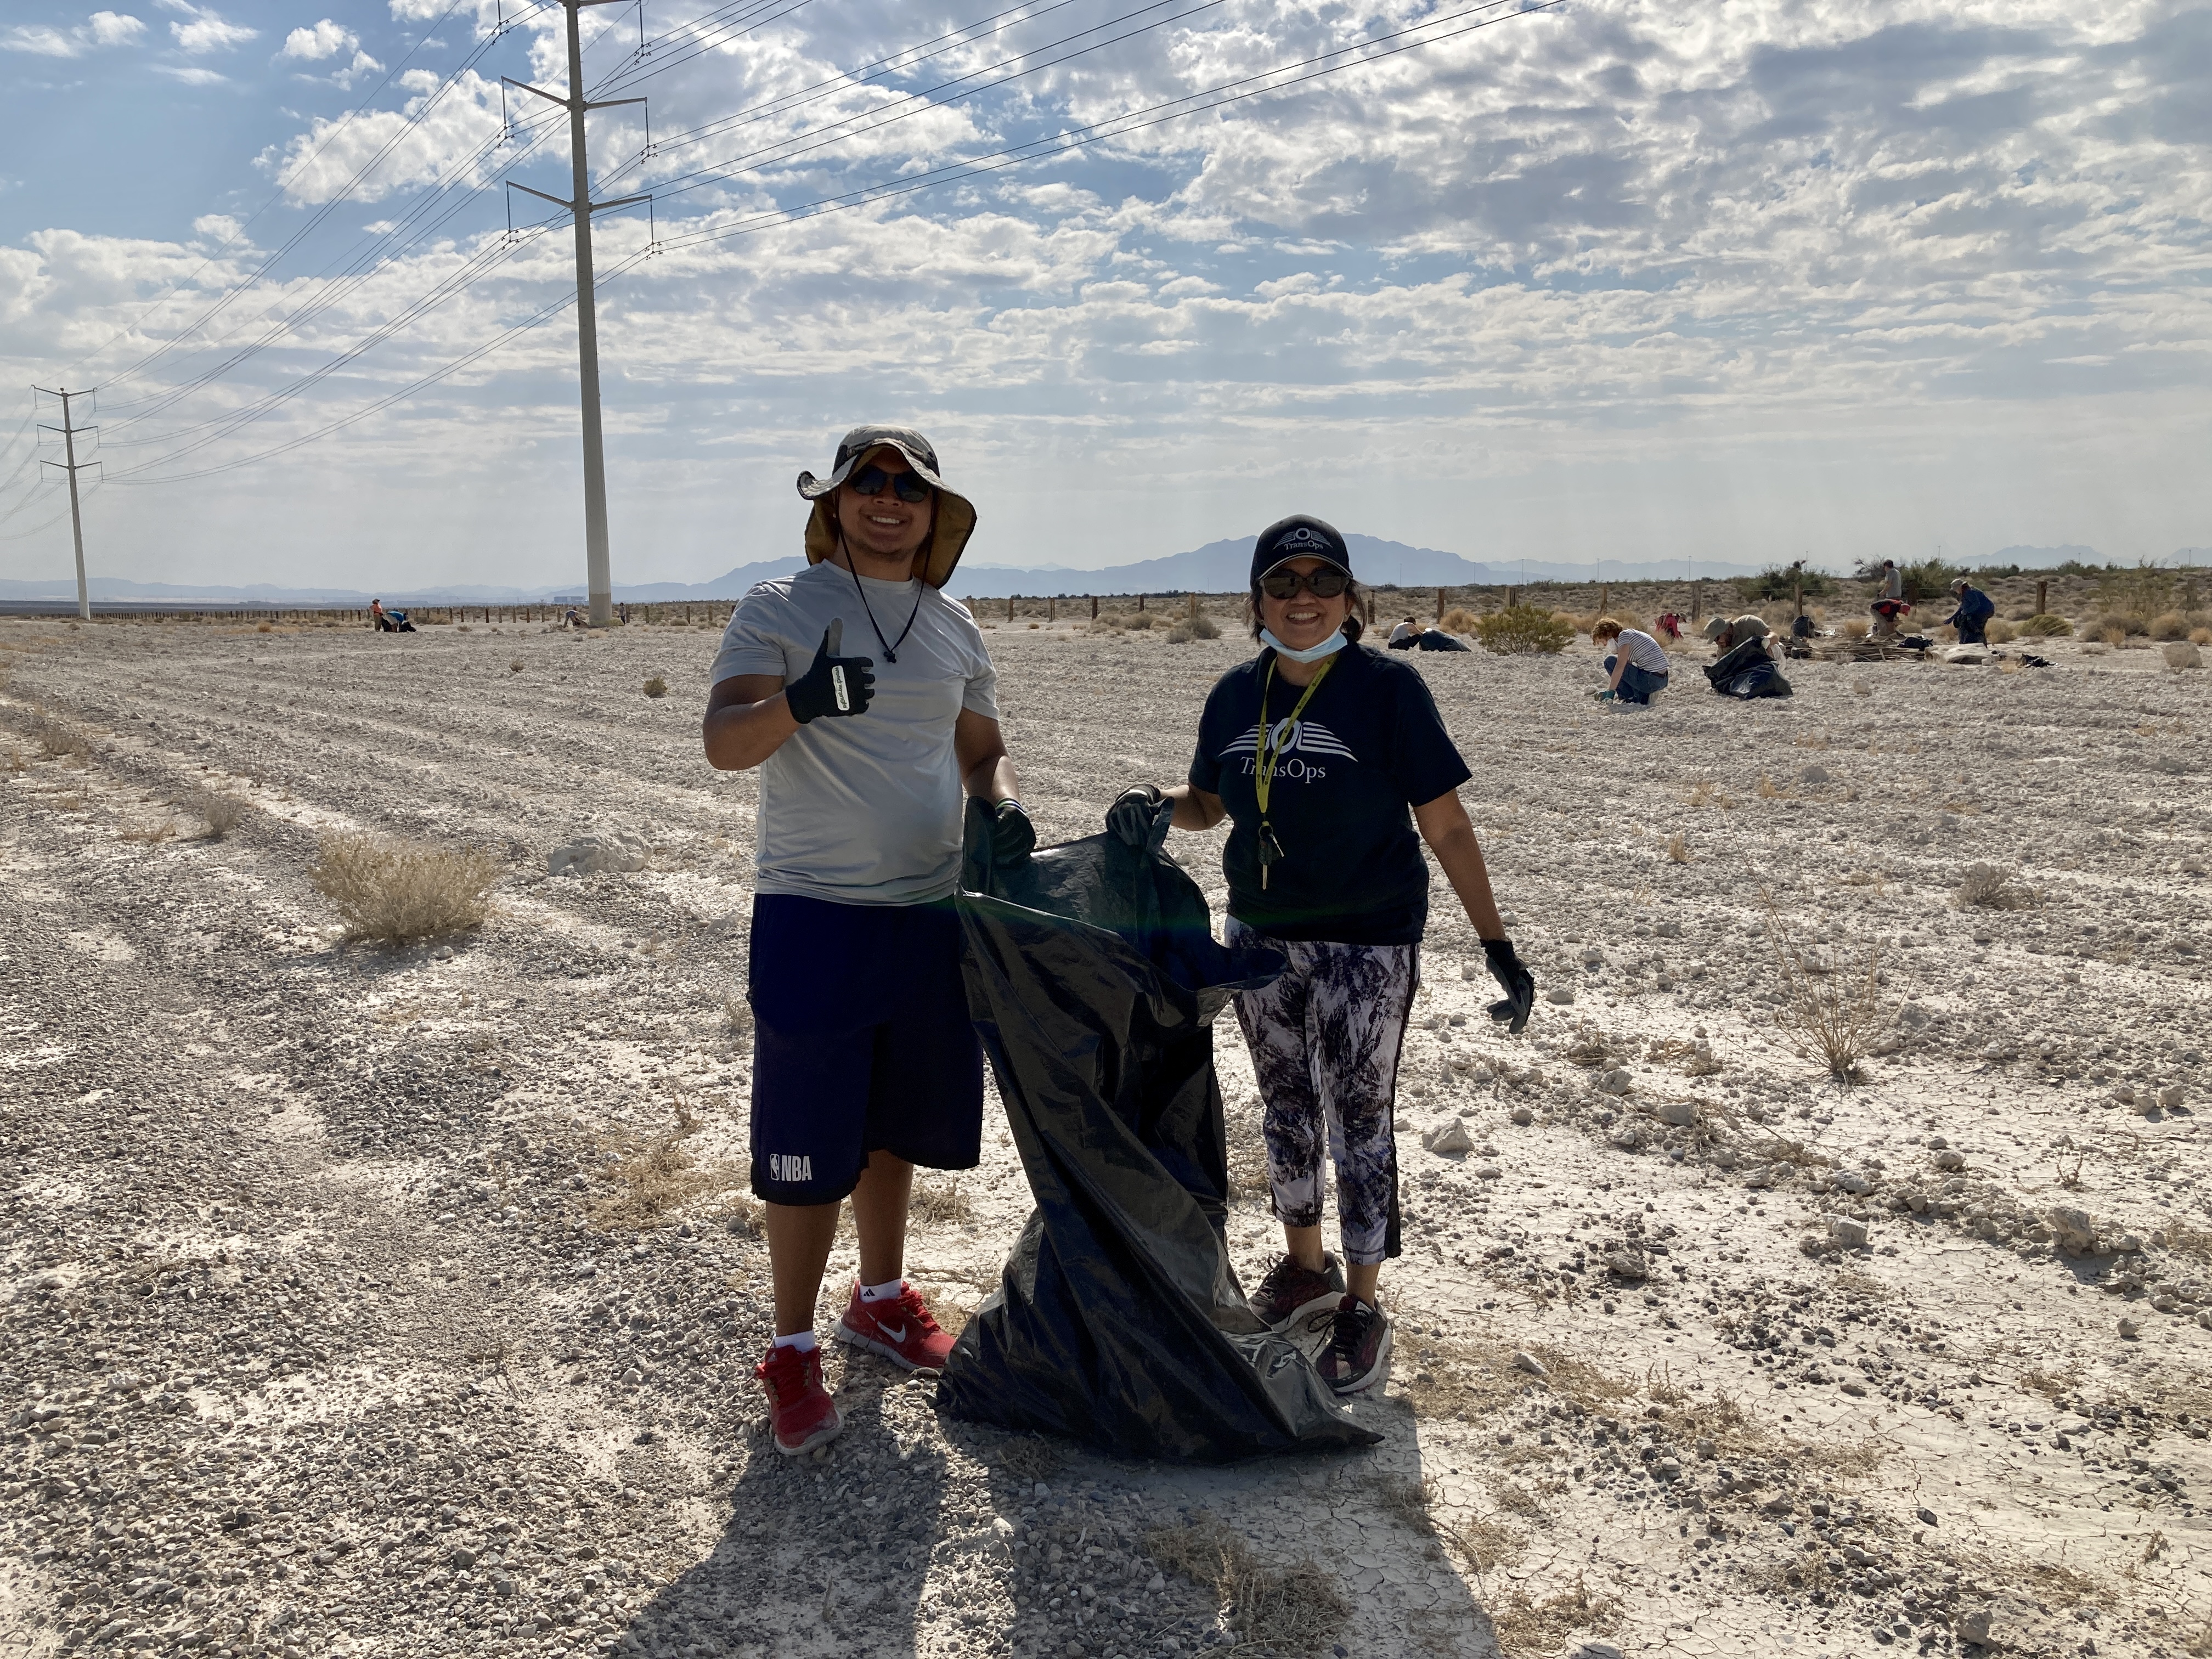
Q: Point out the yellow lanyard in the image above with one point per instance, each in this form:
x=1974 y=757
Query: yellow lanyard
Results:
x=1263 y=774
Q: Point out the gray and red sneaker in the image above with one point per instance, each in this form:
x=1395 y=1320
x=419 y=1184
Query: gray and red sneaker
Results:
x=1359 y=1352
x=1290 y=1291
x=898 y=1327
x=800 y=1408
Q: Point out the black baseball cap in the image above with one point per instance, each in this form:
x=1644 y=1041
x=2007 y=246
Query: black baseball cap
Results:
x=1301 y=536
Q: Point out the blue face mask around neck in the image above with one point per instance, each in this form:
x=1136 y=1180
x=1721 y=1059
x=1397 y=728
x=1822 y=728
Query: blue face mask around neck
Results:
x=1328 y=647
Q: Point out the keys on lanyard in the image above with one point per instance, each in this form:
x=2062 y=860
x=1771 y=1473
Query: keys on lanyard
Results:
x=1270 y=850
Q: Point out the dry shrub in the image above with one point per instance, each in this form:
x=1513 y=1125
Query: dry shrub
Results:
x=1458 y=620
x=1992 y=885
x=651 y=1176
x=2169 y=625
x=2046 y=626
x=1486 y=1544
x=394 y=890
x=58 y=739
x=2114 y=631
x=939 y=1201
x=151 y=835
x=2200 y=636
x=221 y=812
x=1833 y=1017
x=1854 y=628
x=1678 y=847
x=2001 y=633
x=515 y=667
x=737 y=1014
x=1527 y=1627
x=1705 y=793
x=1524 y=630
x=1299 y=1609
x=1142 y=620
x=1193 y=628
x=656 y=687
x=1107 y=623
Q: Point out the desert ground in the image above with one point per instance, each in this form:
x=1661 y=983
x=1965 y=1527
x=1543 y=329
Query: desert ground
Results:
x=401 y=1299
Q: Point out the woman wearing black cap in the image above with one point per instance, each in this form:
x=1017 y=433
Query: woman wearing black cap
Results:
x=1325 y=755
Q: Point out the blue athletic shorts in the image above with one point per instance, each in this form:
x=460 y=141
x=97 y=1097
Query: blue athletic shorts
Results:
x=861 y=1041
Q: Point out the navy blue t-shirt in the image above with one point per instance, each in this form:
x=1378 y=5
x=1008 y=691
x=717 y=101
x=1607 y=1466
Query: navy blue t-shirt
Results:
x=1369 y=748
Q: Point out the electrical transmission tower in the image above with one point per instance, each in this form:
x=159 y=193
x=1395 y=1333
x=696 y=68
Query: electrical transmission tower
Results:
x=70 y=464
x=587 y=322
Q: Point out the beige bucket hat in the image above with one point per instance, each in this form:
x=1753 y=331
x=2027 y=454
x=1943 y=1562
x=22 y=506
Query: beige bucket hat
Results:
x=955 y=520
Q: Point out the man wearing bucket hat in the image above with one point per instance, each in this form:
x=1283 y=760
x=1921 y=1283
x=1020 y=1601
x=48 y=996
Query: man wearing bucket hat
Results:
x=865 y=1063
x=1332 y=766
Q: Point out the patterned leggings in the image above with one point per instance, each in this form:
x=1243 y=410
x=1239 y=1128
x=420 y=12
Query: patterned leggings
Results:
x=1325 y=1039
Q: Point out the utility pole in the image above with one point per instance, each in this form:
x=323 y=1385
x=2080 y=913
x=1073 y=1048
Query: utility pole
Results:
x=69 y=430
x=600 y=579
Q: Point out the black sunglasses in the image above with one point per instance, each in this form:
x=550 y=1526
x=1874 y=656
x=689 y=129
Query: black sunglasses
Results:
x=1325 y=583
x=871 y=480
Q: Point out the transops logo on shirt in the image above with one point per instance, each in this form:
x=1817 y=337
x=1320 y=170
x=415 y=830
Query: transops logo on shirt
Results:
x=1294 y=741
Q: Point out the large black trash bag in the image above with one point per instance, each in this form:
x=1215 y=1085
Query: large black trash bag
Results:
x=1092 y=977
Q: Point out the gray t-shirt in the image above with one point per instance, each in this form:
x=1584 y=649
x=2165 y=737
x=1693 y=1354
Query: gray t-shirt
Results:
x=863 y=809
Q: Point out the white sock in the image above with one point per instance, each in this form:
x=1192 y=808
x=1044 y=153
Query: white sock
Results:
x=802 y=1340
x=886 y=1291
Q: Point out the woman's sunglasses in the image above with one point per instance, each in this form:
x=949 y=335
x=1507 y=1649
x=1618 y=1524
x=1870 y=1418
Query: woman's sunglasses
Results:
x=871 y=480
x=1325 y=583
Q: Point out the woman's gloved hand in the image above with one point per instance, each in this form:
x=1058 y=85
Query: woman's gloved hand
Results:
x=1013 y=837
x=831 y=684
x=1135 y=818
x=1512 y=975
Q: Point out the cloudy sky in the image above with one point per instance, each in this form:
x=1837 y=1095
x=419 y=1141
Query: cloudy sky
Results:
x=1616 y=280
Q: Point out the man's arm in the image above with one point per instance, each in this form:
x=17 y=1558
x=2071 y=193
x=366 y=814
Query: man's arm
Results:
x=1195 y=808
x=1443 y=823
x=748 y=719
x=986 y=772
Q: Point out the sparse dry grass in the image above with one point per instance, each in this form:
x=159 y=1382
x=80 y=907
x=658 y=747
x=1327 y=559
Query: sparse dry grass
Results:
x=150 y=835
x=652 y=1176
x=1485 y=1544
x=392 y=889
x=1854 y=628
x=2003 y=633
x=1193 y=628
x=1527 y=1627
x=2169 y=625
x=1990 y=885
x=1297 y=1609
x=1833 y=1017
x=1706 y=792
x=57 y=740
x=939 y=1202
x=737 y=1014
x=1678 y=848
x=220 y=812
x=656 y=687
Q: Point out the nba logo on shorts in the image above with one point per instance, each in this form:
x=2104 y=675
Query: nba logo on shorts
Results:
x=790 y=1166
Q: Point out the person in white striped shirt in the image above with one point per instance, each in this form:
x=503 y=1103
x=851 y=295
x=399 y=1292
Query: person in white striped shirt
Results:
x=1639 y=664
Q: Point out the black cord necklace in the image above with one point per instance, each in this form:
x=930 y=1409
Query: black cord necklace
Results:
x=890 y=647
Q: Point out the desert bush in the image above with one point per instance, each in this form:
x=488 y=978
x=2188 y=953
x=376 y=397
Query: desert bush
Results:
x=1297 y=1609
x=1778 y=582
x=1830 y=1014
x=2003 y=633
x=1929 y=578
x=1458 y=620
x=262 y=628
x=2145 y=591
x=1180 y=634
x=2169 y=625
x=394 y=890
x=2048 y=626
x=1205 y=627
x=221 y=812
x=656 y=687
x=1854 y=628
x=2110 y=631
x=1141 y=621
x=1992 y=885
x=2182 y=654
x=1524 y=630
x=1107 y=623
x=59 y=738
x=515 y=667
x=2200 y=636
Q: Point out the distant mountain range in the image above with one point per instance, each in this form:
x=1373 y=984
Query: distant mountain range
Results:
x=1221 y=567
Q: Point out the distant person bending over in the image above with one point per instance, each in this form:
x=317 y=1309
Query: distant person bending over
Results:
x=1972 y=617
x=864 y=1062
x=1727 y=632
x=1670 y=625
x=1324 y=783
x=1406 y=635
x=1638 y=665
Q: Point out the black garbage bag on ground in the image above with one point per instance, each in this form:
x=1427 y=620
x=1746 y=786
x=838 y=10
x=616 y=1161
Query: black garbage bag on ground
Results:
x=1093 y=975
x=1748 y=671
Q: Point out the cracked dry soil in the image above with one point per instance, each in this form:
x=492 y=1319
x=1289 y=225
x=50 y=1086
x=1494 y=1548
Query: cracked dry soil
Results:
x=403 y=1301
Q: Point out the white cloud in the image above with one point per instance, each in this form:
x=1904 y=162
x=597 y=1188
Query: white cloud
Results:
x=320 y=41
x=417 y=11
x=102 y=28
x=190 y=74
x=207 y=31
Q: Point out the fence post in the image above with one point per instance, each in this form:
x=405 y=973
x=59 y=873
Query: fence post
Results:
x=1509 y=598
x=1140 y=602
x=1094 y=607
x=1604 y=597
x=1010 y=607
x=1052 y=609
x=1697 y=600
x=2042 y=593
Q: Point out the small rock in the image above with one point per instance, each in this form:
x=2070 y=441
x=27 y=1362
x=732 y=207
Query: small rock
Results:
x=1561 y=995
x=1451 y=1140
x=1950 y=1158
x=2074 y=1230
x=590 y=854
x=1525 y=1361
x=1156 y=1583
x=2125 y=1093
x=1488 y=1172
x=1614 y=1082
x=2170 y=1096
x=1677 y=1114
x=1852 y=1181
x=1628 y=1263
x=1523 y=1115
x=1595 y=1650
x=2129 y=1329
x=1813 y=775
x=1846 y=1234
x=1927 y=1516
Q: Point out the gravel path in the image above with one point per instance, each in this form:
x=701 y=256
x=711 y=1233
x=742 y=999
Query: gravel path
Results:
x=403 y=1302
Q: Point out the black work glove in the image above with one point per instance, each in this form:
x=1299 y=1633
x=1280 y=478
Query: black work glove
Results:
x=815 y=693
x=1512 y=975
x=1013 y=837
x=1137 y=819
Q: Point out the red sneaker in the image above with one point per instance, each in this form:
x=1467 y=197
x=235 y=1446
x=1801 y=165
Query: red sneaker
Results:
x=798 y=1407
x=899 y=1328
